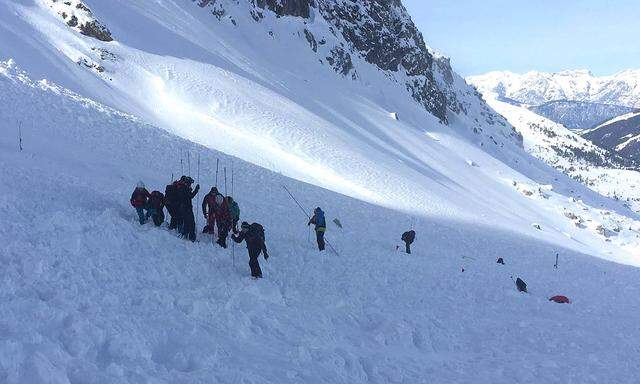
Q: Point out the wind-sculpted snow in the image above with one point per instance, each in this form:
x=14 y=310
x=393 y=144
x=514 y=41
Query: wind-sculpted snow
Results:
x=89 y=295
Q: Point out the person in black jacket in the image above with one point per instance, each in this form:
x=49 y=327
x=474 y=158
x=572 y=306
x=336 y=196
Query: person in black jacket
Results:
x=253 y=235
x=185 y=206
x=156 y=208
x=171 y=202
x=408 y=238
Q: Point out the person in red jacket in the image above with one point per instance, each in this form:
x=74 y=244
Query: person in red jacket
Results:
x=215 y=209
x=140 y=201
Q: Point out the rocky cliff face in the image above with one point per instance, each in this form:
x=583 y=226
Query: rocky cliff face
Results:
x=379 y=32
x=79 y=17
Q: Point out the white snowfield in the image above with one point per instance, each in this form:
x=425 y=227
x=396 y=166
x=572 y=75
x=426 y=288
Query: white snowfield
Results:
x=87 y=295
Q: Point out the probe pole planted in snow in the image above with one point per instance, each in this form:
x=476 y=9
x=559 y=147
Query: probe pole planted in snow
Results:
x=308 y=217
x=20 y=135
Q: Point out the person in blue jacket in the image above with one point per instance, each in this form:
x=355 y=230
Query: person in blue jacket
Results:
x=320 y=226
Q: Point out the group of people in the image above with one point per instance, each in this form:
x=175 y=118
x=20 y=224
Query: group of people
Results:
x=221 y=212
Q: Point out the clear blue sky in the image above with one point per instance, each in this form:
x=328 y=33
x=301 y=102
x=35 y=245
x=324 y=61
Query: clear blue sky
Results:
x=522 y=35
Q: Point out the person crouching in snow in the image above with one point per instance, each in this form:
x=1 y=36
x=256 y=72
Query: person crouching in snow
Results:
x=140 y=201
x=253 y=235
x=320 y=226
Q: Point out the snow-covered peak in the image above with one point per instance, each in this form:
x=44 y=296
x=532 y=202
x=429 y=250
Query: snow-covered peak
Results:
x=536 y=88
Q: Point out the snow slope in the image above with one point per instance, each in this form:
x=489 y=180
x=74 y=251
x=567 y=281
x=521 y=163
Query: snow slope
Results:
x=224 y=87
x=87 y=295
x=107 y=301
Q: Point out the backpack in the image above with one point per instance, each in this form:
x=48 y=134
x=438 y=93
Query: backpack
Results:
x=320 y=221
x=170 y=193
x=157 y=199
x=521 y=285
x=257 y=229
x=409 y=236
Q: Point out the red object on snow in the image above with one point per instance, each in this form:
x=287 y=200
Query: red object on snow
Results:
x=560 y=299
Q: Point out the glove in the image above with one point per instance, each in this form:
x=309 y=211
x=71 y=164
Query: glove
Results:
x=266 y=256
x=197 y=187
x=205 y=215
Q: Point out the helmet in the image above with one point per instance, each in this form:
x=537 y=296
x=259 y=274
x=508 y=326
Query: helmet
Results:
x=244 y=226
x=188 y=180
x=317 y=210
x=140 y=184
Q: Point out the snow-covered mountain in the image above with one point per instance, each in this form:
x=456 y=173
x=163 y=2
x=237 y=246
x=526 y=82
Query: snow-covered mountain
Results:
x=536 y=88
x=620 y=134
x=296 y=72
x=345 y=104
x=579 y=114
x=599 y=166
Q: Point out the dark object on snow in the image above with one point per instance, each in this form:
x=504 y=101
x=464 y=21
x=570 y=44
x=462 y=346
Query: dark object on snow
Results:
x=337 y=222
x=560 y=299
x=320 y=225
x=253 y=236
x=521 y=285
x=408 y=238
x=500 y=261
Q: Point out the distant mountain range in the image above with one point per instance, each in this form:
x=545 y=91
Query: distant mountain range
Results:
x=575 y=99
x=580 y=114
x=537 y=88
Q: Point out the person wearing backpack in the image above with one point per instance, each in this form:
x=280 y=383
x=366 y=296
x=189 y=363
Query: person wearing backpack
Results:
x=253 y=235
x=216 y=210
x=140 y=200
x=185 y=207
x=320 y=226
x=171 y=202
x=408 y=238
x=156 y=208
x=234 y=211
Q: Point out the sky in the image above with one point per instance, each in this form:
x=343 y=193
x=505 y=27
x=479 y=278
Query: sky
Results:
x=523 y=35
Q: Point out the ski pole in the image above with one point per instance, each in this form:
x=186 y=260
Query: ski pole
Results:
x=20 y=135
x=556 y=264
x=217 y=163
x=225 y=181
x=232 y=178
x=198 y=194
x=189 y=163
